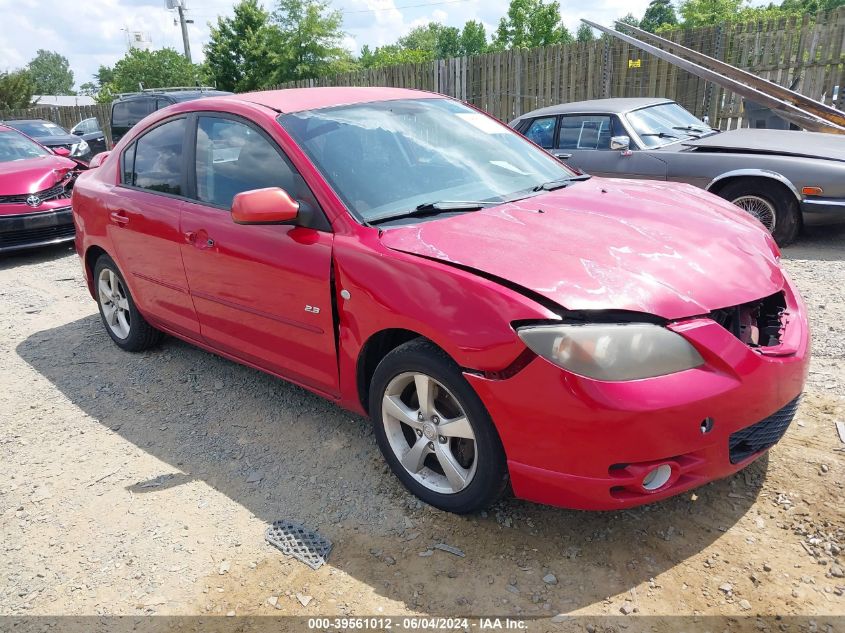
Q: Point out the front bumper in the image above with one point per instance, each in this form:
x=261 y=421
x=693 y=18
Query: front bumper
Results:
x=823 y=209
x=586 y=444
x=41 y=228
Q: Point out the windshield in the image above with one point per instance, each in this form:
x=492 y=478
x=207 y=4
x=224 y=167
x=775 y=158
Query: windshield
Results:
x=387 y=158
x=14 y=146
x=666 y=123
x=38 y=128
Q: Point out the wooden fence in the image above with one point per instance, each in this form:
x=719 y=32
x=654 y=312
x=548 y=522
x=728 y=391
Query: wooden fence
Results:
x=807 y=53
x=66 y=117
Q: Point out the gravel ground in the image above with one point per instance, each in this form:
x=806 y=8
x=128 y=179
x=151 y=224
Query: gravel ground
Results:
x=142 y=484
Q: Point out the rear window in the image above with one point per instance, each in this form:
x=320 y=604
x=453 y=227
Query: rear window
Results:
x=128 y=113
x=38 y=129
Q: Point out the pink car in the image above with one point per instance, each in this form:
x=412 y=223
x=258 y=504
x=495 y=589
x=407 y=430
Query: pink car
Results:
x=35 y=188
x=501 y=319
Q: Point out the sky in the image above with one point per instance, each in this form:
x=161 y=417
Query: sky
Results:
x=94 y=32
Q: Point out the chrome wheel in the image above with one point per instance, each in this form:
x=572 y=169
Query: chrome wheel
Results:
x=760 y=208
x=429 y=432
x=114 y=302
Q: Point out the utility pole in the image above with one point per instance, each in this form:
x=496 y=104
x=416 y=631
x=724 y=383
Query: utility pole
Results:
x=180 y=7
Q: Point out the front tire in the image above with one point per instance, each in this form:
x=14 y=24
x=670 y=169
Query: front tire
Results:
x=771 y=203
x=434 y=431
x=124 y=323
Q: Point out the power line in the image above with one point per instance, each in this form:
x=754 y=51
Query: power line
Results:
x=349 y=11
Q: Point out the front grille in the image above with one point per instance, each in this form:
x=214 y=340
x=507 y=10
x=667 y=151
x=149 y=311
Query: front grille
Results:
x=22 y=237
x=765 y=434
x=58 y=191
x=757 y=323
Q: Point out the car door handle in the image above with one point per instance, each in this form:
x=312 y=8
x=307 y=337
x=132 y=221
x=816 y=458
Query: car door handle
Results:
x=190 y=237
x=562 y=155
x=203 y=242
x=119 y=217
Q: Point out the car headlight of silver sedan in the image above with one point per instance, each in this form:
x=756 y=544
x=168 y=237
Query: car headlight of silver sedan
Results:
x=612 y=352
x=79 y=149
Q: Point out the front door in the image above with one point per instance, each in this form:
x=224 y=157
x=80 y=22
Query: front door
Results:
x=144 y=226
x=262 y=292
x=584 y=142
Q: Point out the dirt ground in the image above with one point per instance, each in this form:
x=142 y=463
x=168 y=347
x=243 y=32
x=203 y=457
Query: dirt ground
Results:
x=142 y=484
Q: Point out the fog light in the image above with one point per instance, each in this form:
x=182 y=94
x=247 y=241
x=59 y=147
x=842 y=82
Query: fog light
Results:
x=657 y=477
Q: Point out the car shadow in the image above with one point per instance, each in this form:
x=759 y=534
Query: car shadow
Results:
x=281 y=452
x=35 y=255
x=818 y=243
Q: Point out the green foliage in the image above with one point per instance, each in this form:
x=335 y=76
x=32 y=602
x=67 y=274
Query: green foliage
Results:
x=51 y=73
x=236 y=55
x=474 y=38
x=16 y=90
x=629 y=19
x=584 y=33
x=392 y=54
x=659 y=14
x=531 y=23
x=152 y=69
x=305 y=41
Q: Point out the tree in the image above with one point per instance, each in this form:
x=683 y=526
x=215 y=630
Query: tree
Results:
x=474 y=38
x=16 y=90
x=708 y=12
x=531 y=23
x=629 y=19
x=51 y=73
x=150 y=69
x=659 y=13
x=236 y=54
x=305 y=40
x=391 y=55
x=584 y=33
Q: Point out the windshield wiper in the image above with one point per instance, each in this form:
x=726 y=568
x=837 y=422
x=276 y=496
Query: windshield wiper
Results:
x=560 y=183
x=659 y=134
x=433 y=208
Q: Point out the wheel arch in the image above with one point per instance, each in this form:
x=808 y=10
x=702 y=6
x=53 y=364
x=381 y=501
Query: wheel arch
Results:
x=376 y=347
x=722 y=180
x=93 y=253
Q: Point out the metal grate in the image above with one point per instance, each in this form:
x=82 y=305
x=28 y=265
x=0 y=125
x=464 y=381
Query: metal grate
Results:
x=23 y=237
x=298 y=541
x=765 y=434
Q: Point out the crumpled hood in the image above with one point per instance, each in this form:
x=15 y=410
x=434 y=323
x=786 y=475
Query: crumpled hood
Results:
x=33 y=174
x=782 y=142
x=662 y=248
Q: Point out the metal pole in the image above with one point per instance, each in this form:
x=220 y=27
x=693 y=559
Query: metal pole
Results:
x=185 y=40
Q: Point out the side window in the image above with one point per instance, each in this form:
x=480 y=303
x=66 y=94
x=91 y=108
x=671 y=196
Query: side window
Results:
x=128 y=172
x=158 y=158
x=233 y=157
x=163 y=103
x=586 y=131
x=542 y=131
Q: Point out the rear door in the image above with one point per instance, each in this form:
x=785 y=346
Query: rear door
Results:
x=144 y=225
x=262 y=292
x=583 y=140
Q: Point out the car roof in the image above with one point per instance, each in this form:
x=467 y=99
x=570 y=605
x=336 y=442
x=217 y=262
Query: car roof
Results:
x=599 y=106
x=178 y=95
x=12 y=123
x=299 y=99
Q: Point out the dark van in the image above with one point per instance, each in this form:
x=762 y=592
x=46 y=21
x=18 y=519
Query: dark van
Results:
x=130 y=108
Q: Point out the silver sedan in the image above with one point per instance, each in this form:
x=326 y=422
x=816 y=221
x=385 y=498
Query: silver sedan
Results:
x=782 y=177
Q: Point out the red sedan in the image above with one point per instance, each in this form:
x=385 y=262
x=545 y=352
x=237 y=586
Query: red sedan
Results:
x=502 y=319
x=35 y=187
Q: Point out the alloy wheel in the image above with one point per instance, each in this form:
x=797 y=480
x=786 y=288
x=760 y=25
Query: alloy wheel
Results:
x=760 y=208
x=429 y=432
x=114 y=302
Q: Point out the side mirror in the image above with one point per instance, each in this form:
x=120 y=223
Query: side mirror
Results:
x=77 y=132
x=61 y=151
x=621 y=143
x=98 y=159
x=264 y=206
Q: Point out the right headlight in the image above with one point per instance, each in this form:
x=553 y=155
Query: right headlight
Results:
x=612 y=352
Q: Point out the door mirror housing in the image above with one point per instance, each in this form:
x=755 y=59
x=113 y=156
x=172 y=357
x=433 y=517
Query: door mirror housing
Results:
x=621 y=143
x=61 y=151
x=264 y=206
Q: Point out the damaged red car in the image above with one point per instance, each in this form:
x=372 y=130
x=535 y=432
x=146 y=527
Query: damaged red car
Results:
x=35 y=189
x=502 y=319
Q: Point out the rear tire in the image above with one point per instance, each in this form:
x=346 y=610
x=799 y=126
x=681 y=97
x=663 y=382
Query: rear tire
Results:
x=771 y=203
x=121 y=318
x=446 y=450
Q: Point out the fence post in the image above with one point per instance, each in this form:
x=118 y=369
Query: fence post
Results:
x=606 y=69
